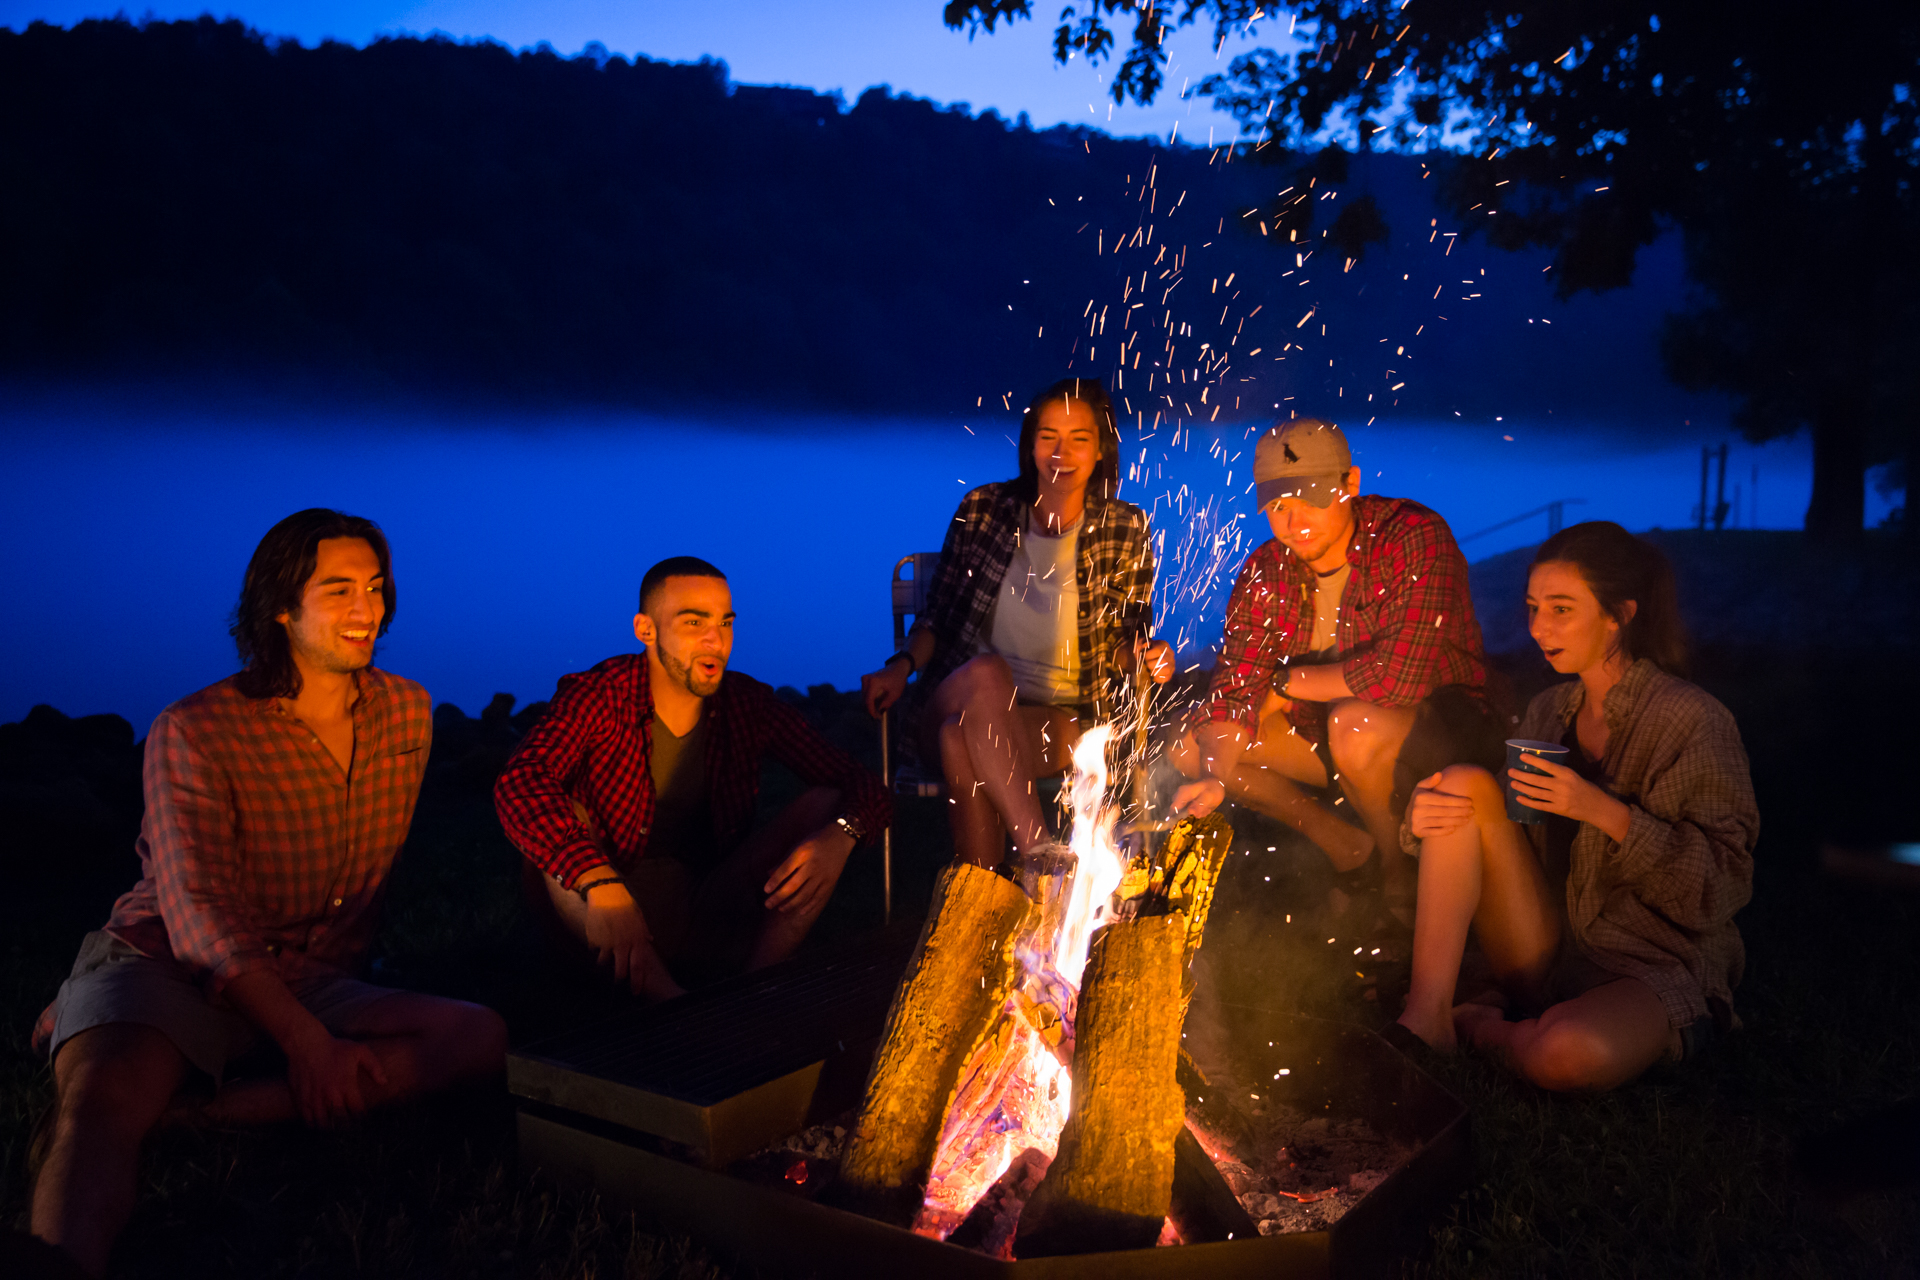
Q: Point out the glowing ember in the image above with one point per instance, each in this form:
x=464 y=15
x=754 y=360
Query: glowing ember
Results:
x=1015 y=1090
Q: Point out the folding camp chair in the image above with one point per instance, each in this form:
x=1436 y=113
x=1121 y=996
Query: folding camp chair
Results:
x=909 y=602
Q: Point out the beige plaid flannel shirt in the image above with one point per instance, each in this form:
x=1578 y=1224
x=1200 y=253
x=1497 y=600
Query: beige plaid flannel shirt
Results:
x=1659 y=905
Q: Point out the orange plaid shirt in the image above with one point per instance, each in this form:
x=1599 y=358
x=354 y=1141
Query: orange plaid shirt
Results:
x=259 y=852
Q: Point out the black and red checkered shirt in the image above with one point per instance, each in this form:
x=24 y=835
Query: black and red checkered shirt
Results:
x=1406 y=619
x=595 y=745
x=259 y=851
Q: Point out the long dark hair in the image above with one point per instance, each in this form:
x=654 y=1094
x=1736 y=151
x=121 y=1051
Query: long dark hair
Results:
x=1105 y=480
x=276 y=577
x=1617 y=568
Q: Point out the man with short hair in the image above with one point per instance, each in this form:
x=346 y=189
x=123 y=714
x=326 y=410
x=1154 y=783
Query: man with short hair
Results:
x=632 y=799
x=1338 y=631
x=276 y=802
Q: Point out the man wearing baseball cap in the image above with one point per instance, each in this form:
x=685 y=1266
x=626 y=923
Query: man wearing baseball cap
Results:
x=1338 y=631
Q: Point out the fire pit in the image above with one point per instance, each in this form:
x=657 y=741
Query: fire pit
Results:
x=1029 y=1104
x=1334 y=1070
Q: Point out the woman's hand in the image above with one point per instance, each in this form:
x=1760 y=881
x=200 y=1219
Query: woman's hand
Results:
x=881 y=689
x=1558 y=789
x=1434 y=812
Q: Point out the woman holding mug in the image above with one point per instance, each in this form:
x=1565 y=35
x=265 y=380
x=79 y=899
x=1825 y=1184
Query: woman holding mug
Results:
x=1609 y=926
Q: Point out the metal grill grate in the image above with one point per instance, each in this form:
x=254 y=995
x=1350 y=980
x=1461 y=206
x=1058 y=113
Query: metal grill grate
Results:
x=715 y=1044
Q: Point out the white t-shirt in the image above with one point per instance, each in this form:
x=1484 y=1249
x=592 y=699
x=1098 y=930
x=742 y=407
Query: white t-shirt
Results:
x=1036 y=617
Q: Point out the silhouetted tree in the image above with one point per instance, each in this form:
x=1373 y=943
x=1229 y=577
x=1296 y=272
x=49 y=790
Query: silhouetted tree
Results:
x=1782 y=140
x=196 y=200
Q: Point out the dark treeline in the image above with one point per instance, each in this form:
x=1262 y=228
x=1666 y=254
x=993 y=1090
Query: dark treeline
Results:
x=192 y=198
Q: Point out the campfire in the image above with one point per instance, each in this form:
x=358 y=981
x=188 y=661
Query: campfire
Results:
x=1007 y=1094
x=1037 y=1035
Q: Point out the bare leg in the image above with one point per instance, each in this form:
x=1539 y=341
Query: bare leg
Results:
x=991 y=751
x=424 y=1042
x=1366 y=740
x=1594 y=1042
x=112 y=1084
x=1483 y=874
x=1268 y=780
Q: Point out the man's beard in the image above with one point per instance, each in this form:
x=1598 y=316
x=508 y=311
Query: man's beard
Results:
x=682 y=675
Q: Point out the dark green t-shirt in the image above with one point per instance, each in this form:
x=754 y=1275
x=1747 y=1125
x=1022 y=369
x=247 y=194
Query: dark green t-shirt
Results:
x=682 y=817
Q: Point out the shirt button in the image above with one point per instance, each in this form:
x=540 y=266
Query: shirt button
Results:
x=338 y=901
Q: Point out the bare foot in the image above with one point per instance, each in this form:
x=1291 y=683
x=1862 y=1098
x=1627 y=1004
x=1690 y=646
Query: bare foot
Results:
x=1437 y=1033
x=1470 y=1017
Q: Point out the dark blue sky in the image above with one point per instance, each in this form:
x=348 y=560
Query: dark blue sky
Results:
x=824 y=44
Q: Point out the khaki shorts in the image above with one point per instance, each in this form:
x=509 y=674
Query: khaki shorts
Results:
x=1573 y=975
x=112 y=982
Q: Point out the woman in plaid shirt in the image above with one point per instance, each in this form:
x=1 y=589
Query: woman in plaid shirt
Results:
x=1610 y=924
x=1037 y=613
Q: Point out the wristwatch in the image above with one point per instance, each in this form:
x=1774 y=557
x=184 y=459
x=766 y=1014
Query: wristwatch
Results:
x=852 y=826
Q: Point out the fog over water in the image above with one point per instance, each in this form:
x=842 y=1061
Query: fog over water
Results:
x=519 y=542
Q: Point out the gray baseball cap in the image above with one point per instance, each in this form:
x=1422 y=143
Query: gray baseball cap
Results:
x=1306 y=458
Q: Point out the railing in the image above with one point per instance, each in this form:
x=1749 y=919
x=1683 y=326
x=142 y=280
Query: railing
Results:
x=1554 y=512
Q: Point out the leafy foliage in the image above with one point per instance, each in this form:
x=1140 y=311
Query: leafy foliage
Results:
x=1786 y=145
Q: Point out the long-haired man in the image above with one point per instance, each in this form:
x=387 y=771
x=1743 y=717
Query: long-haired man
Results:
x=276 y=802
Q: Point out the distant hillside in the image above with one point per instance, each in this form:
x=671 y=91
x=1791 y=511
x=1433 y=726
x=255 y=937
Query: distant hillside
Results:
x=1751 y=590
x=193 y=198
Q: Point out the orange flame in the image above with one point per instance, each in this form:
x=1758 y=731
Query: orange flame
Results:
x=1015 y=1091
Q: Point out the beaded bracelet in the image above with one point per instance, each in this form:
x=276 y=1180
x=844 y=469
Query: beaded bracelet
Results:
x=584 y=886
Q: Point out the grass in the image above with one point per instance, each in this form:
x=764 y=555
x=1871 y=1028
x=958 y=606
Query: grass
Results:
x=1686 y=1172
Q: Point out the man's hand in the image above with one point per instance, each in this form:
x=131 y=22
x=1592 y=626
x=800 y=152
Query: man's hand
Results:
x=1197 y=799
x=802 y=884
x=1434 y=812
x=881 y=689
x=1157 y=654
x=618 y=934
x=324 y=1073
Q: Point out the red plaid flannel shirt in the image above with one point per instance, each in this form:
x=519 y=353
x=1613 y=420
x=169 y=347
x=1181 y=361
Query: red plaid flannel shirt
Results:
x=1406 y=619
x=259 y=853
x=595 y=745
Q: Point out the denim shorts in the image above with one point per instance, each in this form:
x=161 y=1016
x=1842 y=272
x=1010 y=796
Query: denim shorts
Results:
x=113 y=982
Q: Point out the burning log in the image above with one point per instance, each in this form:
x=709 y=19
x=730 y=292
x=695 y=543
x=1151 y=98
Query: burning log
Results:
x=955 y=986
x=1112 y=1182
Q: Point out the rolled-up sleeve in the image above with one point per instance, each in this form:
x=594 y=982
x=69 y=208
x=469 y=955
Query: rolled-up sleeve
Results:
x=1697 y=868
x=1423 y=584
x=819 y=763
x=531 y=793
x=194 y=851
x=1249 y=646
